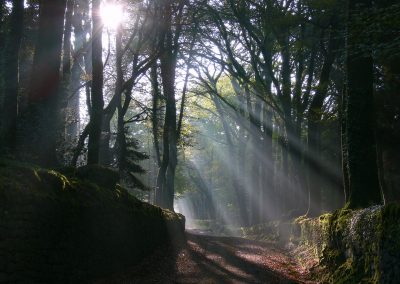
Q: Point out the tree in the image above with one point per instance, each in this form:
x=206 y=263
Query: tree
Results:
x=364 y=188
x=67 y=92
x=81 y=55
x=40 y=136
x=383 y=34
x=10 y=104
x=96 y=114
x=171 y=19
x=315 y=171
x=2 y=43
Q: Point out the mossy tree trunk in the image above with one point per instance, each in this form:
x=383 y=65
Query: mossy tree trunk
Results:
x=364 y=188
x=155 y=112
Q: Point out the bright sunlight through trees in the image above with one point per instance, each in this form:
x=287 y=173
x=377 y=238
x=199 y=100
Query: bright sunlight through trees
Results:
x=111 y=14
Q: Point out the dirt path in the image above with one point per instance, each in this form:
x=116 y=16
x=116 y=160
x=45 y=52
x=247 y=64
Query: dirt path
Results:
x=210 y=259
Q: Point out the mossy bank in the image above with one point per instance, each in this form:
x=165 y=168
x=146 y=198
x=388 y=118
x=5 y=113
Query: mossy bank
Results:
x=73 y=227
x=347 y=246
x=355 y=246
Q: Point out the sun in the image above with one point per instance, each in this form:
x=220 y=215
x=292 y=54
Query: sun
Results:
x=111 y=15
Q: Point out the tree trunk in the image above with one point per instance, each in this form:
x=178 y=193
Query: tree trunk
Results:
x=240 y=163
x=10 y=104
x=154 y=115
x=257 y=163
x=161 y=175
x=44 y=102
x=343 y=143
x=315 y=170
x=121 y=139
x=66 y=91
x=168 y=81
x=269 y=196
x=268 y=200
x=285 y=98
x=364 y=188
x=288 y=137
x=73 y=114
x=298 y=117
x=96 y=115
x=168 y=60
x=2 y=43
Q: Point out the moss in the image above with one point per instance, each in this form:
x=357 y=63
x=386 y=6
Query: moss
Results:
x=168 y=214
x=346 y=273
x=84 y=227
x=85 y=186
x=102 y=176
x=389 y=226
x=339 y=221
x=55 y=179
x=346 y=243
x=389 y=244
x=357 y=250
x=301 y=219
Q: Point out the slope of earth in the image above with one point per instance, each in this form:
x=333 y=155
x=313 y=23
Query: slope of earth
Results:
x=74 y=226
x=212 y=259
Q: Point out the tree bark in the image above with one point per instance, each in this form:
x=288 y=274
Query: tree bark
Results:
x=364 y=188
x=288 y=136
x=10 y=104
x=121 y=139
x=2 y=43
x=66 y=91
x=96 y=115
x=168 y=79
x=168 y=60
x=268 y=198
x=44 y=102
x=315 y=171
x=77 y=70
x=155 y=111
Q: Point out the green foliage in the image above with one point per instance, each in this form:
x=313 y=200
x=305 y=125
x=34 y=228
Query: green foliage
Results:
x=377 y=30
x=321 y=4
x=129 y=163
x=275 y=231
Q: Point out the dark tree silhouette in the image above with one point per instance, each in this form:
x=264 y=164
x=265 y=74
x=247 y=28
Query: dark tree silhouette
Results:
x=44 y=101
x=96 y=115
x=10 y=104
x=364 y=187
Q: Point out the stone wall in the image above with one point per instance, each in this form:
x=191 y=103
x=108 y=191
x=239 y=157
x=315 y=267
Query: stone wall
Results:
x=360 y=246
x=55 y=229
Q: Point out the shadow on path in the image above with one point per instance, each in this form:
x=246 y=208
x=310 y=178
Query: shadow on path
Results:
x=213 y=259
x=233 y=260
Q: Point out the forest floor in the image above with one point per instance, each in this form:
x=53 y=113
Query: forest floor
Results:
x=213 y=259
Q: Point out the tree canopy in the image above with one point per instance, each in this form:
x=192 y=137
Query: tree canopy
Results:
x=241 y=111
